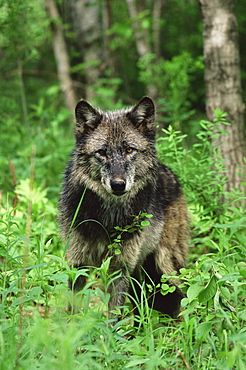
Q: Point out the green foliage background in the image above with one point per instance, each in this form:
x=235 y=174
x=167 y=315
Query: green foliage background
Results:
x=36 y=139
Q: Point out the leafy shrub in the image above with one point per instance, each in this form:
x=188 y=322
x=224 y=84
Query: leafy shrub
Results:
x=44 y=139
x=201 y=171
x=174 y=88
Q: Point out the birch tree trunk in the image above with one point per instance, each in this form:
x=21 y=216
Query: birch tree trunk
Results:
x=61 y=55
x=157 y=8
x=223 y=84
x=88 y=29
x=141 y=39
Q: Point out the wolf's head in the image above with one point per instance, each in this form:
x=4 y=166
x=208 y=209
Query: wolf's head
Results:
x=115 y=151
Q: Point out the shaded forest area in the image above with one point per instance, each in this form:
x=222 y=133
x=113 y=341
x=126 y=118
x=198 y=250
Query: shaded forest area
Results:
x=102 y=44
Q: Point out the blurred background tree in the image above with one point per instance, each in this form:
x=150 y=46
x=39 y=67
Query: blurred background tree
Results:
x=223 y=85
x=111 y=52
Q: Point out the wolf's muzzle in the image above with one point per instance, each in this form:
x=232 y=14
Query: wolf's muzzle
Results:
x=118 y=186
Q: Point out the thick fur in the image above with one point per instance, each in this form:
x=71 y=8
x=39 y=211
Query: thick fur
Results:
x=114 y=169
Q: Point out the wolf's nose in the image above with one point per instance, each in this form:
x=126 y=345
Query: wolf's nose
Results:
x=118 y=185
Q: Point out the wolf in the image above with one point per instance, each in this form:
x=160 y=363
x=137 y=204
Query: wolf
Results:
x=114 y=175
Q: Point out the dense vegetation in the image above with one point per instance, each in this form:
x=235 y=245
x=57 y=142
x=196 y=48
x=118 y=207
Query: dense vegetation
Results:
x=36 y=138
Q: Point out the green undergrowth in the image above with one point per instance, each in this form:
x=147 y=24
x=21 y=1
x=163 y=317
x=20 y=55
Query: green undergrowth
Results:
x=37 y=331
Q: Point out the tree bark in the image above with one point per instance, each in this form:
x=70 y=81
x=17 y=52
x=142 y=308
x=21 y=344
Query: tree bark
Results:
x=141 y=39
x=223 y=84
x=87 y=26
x=141 y=42
x=61 y=55
x=107 y=24
x=157 y=8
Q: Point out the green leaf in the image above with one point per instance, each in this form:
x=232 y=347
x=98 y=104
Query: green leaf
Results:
x=148 y=216
x=225 y=292
x=145 y=223
x=59 y=277
x=193 y=292
x=209 y=291
x=203 y=329
x=131 y=230
x=136 y=362
x=150 y=288
x=164 y=287
x=172 y=289
x=243 y=273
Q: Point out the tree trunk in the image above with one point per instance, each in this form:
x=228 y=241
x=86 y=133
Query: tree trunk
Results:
x=61 y=55
x=141 y=39
x=107 y=24
x=157 y=8
x=223 y=84
x=87 y=26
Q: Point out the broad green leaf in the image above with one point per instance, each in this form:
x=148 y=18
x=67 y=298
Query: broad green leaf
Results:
x=193 y=291
x=225 y=292
x=243 y=273
x=59 y=278
x=209 y=291
x=203 y=329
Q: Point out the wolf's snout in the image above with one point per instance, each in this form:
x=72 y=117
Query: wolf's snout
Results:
x=118 y=186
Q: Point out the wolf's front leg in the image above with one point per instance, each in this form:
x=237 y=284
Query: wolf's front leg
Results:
x=118 y=290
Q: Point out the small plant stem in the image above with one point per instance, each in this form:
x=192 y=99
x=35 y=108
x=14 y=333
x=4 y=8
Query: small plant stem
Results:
x=184 y=360
x=22 y=89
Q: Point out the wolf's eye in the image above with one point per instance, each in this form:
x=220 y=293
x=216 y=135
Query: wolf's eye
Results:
x=129 y=150
x=102 y=152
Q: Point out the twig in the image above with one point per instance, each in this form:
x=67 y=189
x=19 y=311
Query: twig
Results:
x=184 y=360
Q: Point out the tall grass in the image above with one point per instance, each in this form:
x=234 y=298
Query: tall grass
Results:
x=37 y=331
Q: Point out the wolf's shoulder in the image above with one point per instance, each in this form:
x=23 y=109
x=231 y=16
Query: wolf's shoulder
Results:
x=168 y=185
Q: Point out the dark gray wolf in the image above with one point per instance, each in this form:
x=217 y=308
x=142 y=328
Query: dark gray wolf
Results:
x=114 y=169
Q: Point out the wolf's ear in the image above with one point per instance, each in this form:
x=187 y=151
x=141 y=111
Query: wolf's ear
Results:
x=87 y=118
x=143 y=116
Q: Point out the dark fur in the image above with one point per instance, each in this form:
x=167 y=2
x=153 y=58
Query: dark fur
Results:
x=114 y=168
